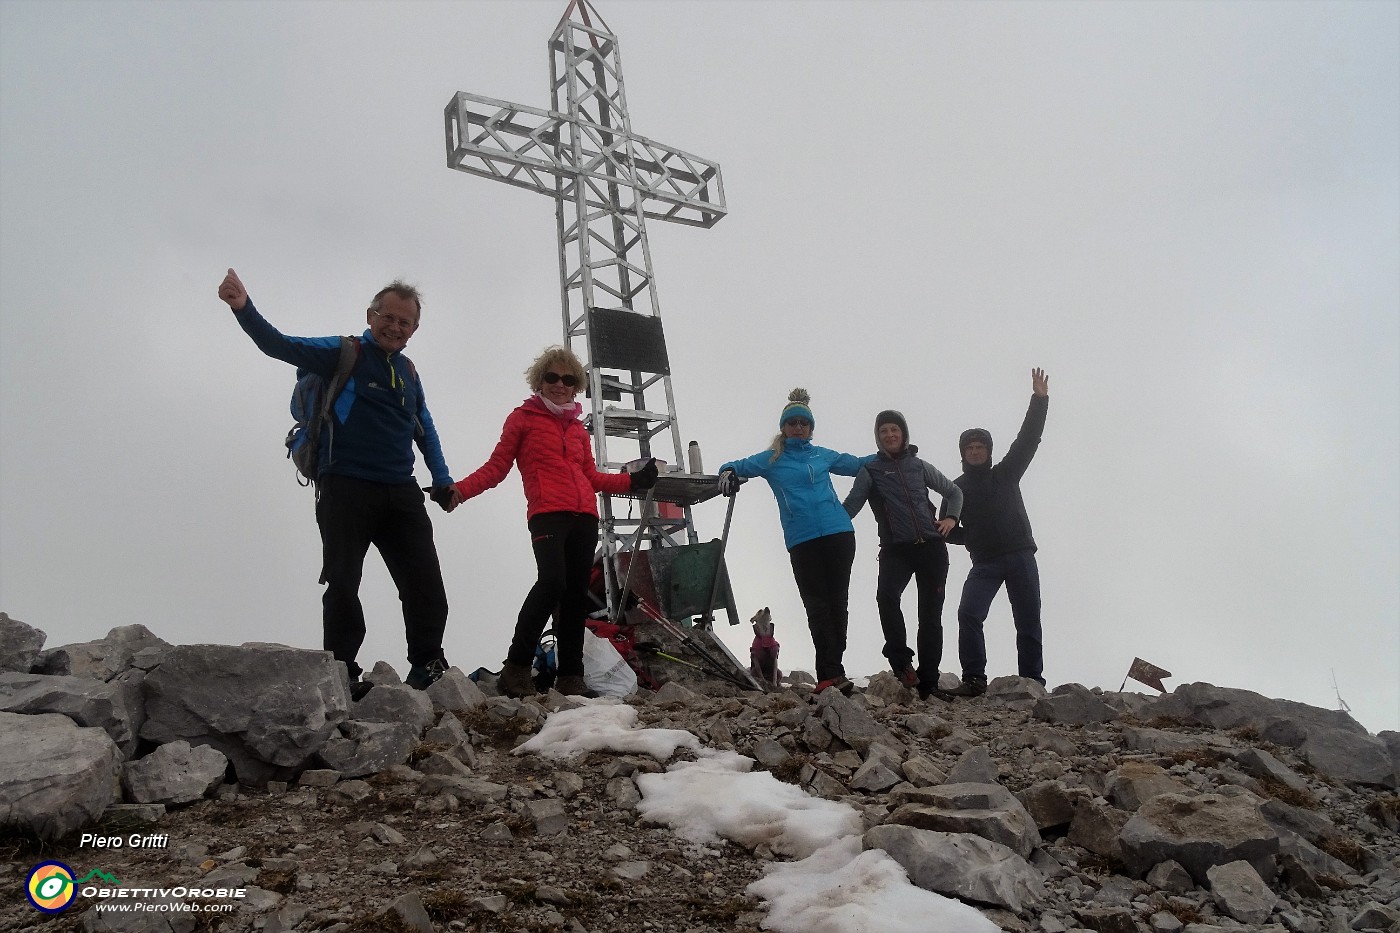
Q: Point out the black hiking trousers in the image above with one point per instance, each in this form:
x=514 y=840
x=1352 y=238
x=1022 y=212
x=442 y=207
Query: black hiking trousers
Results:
x=563 y=543
x=822 y=569
x=353 y=514
x=927 y=563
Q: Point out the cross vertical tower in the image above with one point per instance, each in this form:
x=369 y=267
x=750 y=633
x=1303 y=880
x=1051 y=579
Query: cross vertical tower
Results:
x=606 y=182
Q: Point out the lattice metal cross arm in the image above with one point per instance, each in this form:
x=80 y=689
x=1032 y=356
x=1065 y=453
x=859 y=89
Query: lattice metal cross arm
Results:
x=520 y=146
x=508 y=142
x=692 y=186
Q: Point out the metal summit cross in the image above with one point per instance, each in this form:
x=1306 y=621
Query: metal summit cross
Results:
x=606 y=181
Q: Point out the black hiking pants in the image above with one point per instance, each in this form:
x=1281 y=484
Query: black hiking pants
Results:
x=927 y=563
x=563 y=543
x=822 y=568
x=353 y=514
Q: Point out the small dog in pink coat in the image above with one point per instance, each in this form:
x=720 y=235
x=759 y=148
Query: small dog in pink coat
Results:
x=763 y=653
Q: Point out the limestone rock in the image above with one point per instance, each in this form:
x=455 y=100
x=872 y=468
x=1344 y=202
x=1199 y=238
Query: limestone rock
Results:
x=365 y=748
x=1012 y=689
x=395 y=703
x=1133 y=783
x=1240 y=892
x=921 y=772
x=1159 y=741
x=1096 y=827
x=448 y=731
x=269 y=708
x=1261 y=764
x=874 y=776
x=1349 y=756
x=1073 y=704
x=55 y=776
x=962 y=866
x=1051 y=804
x=382 y=674
x=1106 y=919
x=455 y=691
x=1378 y=917
x=974 y=766
x=887 y=687
x=548 y=816
x=20 y=645
x=1199 y=833
x=174 y=774
x=1223 y=708
x=86 y=701
x=986 y=810
x=1171 y=877
x=124 y=647
x=851 y=723
x=409 y=913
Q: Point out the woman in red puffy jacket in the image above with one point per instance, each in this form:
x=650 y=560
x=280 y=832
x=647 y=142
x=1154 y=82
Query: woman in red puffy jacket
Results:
x=545 y=438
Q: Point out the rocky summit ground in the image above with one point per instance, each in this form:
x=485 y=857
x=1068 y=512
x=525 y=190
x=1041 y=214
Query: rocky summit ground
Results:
x=334 y=858
x=466 y=836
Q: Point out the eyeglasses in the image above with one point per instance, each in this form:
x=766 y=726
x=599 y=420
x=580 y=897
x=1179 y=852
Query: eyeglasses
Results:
x=393 y=321
x=565 y=378
x=797 y=423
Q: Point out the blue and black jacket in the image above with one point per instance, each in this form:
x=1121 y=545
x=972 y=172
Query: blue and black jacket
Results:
x=376 y=416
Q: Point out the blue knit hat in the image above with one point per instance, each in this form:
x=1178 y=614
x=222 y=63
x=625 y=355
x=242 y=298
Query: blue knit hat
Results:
x=797 y=407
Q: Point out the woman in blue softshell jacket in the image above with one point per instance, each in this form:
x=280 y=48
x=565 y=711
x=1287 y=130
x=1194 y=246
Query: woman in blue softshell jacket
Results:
x=820 y=539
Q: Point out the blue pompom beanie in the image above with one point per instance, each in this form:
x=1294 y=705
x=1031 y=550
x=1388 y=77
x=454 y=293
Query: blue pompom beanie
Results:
x=798 y=406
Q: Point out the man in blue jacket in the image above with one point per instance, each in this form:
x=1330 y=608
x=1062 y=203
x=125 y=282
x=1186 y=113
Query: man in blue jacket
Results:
x=997 y=533
x=366 y=492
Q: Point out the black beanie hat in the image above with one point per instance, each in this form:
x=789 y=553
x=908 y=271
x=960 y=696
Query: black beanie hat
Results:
x=890 y=416
x=975 y=434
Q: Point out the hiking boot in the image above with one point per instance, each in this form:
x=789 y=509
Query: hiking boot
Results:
x=939 y=693
x=573 y=685
x=840 y=683
x=423 y=676
x=515 y=681
x=972 y=687
x=359 y=688
x=908 y=677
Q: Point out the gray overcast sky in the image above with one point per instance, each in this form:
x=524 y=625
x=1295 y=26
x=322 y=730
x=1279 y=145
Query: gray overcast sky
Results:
x=1187 y=213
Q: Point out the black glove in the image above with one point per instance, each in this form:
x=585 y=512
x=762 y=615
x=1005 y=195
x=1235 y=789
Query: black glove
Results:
x=442 y=495
x=729 y=483
x=645 y=478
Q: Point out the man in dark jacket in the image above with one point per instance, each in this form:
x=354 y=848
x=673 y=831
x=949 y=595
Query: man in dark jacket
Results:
x=896 y=484
x=366 y=493
x=997 y=533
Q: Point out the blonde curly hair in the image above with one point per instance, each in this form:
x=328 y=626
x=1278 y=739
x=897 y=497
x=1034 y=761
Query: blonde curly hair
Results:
x=559 y=358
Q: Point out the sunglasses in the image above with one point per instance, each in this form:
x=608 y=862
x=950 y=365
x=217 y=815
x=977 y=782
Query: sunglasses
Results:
x=568 y=380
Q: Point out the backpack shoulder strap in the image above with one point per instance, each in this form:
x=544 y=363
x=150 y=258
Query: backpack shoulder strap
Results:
x=349 y=355
x=419 y=432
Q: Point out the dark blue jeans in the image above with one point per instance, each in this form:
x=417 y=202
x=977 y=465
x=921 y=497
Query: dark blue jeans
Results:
x=1018 y=570
x=927 y=563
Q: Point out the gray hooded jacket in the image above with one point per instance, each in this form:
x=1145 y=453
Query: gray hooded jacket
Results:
x=897 y=489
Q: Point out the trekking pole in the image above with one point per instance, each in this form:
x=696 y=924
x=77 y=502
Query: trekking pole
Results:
x=649 y=649
x=632 y=562
x=687 y=640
